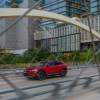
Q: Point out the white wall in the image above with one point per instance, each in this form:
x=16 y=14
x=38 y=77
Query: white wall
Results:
x=2 y=38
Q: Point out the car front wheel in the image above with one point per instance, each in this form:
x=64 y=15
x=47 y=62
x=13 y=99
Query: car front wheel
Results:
x=41 y=75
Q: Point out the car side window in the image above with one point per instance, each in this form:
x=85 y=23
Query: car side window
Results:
x=58 y=63
x=51 y=64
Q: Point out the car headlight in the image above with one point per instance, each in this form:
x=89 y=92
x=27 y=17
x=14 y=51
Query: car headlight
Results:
x=34 y=70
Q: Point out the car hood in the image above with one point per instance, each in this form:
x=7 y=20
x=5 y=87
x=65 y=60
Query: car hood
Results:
x=32 y=68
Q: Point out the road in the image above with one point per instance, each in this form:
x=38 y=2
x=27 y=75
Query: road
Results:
x=18 y=87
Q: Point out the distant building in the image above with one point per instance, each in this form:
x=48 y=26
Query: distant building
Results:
x=59 y=37
x=50 y=34
x=95 y=24
x=56 y=36
x=21 y=36
x=72 y=8
x=86 y=37
x=95 y=6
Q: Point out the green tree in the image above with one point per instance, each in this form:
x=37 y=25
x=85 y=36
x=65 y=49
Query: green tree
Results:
x=29 y=55
x=42 y=55
x=17 y=59
x=6 y=58
x=86 y=55
x=52 y=57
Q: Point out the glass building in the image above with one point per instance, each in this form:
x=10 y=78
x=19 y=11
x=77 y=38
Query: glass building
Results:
x=67 y=37
x=95 y=6
x=72 y=8
x=55 y=36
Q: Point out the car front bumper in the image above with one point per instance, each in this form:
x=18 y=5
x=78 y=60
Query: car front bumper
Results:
x=30 y=74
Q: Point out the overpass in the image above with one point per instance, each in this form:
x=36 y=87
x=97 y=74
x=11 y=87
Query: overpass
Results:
x=15 y=12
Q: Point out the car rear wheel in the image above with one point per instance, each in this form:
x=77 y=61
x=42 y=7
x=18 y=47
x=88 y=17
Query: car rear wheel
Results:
x=63 y=73
x=41 y=75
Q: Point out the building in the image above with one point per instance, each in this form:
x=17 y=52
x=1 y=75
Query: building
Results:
x=20 y=36
x=72 y=8
x=50 y=34
x=86 y=37
x=95 y=6
x=95 y=24
x=59 y=37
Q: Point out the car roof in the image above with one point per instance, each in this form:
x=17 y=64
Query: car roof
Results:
x=50 y=61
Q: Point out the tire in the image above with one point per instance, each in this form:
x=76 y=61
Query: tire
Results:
x=63 y=73
x=24 y=74
x=41 y=75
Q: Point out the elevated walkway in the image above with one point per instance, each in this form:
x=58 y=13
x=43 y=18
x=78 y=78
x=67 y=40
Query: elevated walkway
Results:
x=15 y=12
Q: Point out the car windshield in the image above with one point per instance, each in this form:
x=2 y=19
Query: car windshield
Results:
x=41 y=64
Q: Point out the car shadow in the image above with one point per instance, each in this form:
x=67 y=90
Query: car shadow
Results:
x=49 y=77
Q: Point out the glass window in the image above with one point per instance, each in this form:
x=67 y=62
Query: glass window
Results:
x=58 y=63
x=73 y=42
x=63 y=43
x=68 y=43
x=51 y=64
x=59 y=44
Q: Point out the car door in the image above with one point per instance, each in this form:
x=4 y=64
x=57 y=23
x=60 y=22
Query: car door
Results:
x=58 y=66
x=51 y=68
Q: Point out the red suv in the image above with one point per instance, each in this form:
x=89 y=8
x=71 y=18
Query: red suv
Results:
x=45 y=69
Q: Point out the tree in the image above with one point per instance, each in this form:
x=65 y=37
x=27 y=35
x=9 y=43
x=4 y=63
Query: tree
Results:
x=42 y=54
x=29 y=55
x=52 y=57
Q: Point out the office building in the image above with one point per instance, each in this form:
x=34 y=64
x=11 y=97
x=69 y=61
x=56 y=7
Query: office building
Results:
x=50 y=34
x=59 y=37
x=20 y=36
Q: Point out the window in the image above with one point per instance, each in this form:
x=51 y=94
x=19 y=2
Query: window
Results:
x=58 y=63
x=51 y=63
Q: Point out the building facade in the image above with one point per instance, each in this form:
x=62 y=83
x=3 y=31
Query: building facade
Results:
x=50 y=34
x=72 y=8
x=95 y=24
x=56 y=36
x=86 y=37
x=20 y=36
x=61 y=39
x=95 y=6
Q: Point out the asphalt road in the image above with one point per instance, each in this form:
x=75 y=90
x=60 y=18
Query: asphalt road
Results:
x=86 y=87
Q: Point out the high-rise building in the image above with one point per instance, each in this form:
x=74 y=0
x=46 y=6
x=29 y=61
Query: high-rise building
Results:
x=20 y=36
x=57 y=36
x=52 y=35
x=72 y=8
x=63 y=37
x=95 y=24
x=95 y=6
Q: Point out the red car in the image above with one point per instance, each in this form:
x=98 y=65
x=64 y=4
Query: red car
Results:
x=47 y=68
